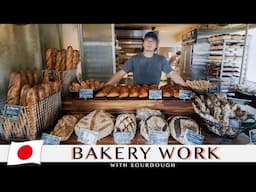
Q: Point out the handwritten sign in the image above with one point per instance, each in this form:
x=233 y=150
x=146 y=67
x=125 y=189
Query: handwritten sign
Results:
x=192 y=138
x=51 y=74
x=252 y=134
x=155 y=94
x=12 y=111
x=85 y=93
x=50 y=139
x=87 y=136
x=158 y=137
x=185 y=94
x=213 y=90
x=122 y=137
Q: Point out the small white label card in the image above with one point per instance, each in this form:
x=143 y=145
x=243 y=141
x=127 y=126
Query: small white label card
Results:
x=192 y=138
x=85 y=93
x=50 y=139
x=252 y=134
x=185 y=94
x=87 y=136
x=158 y=137
x=155 y=94
x=122 y=137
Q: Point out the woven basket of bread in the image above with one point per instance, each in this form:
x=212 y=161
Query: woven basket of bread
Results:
x=223 y=117
x=32 y=119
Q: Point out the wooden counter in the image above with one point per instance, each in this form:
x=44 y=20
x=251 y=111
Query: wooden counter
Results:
x=117 y=106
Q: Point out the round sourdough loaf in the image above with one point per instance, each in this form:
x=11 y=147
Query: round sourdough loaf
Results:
x=126 y=122
x=155 y=123
x=178 y=126
x=98 y=121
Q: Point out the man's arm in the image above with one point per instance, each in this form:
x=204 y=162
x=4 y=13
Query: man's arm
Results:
x=177 y=78
x=116 y=77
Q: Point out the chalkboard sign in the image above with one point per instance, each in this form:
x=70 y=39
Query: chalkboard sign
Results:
x=192 y=138
x=85 y=93
x=50 y=139
x=12 y=111
x=122 y=137
x=155 y=94
x=51 y=75
x=252 y=134
x=87 y=136
x=213 y=90
x=158 y=137
x=185 y=94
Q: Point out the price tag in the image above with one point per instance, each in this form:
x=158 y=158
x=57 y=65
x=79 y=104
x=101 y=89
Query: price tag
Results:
x=158 y=137
x=122 y=137
x=213 y=90
x=85 y=93
x=185 y=94
x=87 y=136
x=234 y=123
x=192 y=138
x=50 y=139
x=155 y=94
x=12 y=111
x=252 y=134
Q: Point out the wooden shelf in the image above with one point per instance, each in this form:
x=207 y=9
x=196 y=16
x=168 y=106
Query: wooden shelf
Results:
x=116 y=106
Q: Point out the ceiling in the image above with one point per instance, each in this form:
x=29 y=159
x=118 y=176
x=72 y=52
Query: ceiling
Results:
x=172 y=29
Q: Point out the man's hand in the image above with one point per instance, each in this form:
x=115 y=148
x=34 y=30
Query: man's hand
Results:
x=177 y=78
x=116 y=78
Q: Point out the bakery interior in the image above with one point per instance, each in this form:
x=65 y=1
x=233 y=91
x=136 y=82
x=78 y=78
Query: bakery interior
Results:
x=51 y=78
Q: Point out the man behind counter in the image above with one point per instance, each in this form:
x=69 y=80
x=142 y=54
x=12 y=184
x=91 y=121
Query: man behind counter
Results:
x=147 y=66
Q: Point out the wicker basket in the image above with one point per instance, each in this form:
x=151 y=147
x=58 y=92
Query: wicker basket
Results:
x=32 y=120
x=236 y=127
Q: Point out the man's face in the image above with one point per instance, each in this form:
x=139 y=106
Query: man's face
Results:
x=149 y=44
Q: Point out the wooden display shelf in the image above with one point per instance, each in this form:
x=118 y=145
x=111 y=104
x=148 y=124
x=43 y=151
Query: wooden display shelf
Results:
x=117 y=106
x=210 y=138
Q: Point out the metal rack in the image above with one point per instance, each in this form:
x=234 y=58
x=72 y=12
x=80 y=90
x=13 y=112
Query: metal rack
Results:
x=227 y=56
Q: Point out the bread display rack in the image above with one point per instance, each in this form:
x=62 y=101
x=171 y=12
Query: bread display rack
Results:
x=31 y=120
x=225 y=61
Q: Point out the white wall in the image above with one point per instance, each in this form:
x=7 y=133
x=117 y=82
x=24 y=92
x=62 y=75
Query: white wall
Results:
x=168 y=40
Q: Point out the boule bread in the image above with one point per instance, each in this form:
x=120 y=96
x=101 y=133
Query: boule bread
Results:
x=178 y=126
x=126 y=122
x=98 y=121
x=155 y=123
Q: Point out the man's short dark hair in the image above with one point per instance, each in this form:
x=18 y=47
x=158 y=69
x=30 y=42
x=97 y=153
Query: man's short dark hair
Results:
x=178 y=53
x=151 y=34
